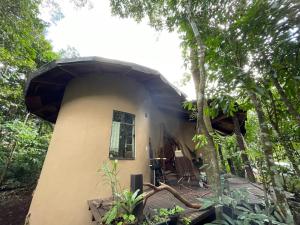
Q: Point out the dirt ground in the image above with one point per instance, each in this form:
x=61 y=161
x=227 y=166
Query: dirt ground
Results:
x=14 y=205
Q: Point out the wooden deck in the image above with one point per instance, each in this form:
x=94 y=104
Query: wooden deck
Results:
x=191 y=192
x=165 y=199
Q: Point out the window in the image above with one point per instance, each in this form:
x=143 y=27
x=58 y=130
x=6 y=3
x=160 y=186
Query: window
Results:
x=122 y=136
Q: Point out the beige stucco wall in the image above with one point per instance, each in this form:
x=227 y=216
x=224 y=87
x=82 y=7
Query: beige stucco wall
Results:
x=80 y=144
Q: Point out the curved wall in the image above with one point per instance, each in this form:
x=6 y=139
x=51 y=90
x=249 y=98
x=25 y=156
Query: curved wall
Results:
x=80 y=144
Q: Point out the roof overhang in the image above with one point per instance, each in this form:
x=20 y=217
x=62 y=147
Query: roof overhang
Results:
x=224 y=123
x=45 y=87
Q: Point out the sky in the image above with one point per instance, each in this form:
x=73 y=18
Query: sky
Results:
x=95 y=32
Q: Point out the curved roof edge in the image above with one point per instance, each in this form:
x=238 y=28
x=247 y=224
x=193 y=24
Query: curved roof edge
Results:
x=45 y=87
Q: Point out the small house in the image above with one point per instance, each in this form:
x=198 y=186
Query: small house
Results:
x=103 y=110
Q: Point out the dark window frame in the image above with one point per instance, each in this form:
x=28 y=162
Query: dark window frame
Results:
x=121 y=118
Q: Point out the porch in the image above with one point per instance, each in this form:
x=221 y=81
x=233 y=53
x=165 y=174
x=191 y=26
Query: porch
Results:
x=190 y=191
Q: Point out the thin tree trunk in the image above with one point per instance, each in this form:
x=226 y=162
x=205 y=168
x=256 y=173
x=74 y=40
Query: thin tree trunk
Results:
x=222 y=158
x=285 y=100
x=238 y=164
x=288 y=146
x=199 y=77
x=242 y=146
x=268 y=152
x=7 y=163
x=231 y=166
x=10 y=156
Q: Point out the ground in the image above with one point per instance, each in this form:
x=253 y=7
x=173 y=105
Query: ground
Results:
x=14 y=205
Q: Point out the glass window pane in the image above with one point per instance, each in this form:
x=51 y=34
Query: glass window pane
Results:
x=128 y=148
x=129 y=140
x=128 y=130
x=122 y=136
x=114 y=140
x=117 y=116
x=129 y=118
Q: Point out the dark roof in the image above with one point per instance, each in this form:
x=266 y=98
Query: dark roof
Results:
x=45 y=87
x=224 y=123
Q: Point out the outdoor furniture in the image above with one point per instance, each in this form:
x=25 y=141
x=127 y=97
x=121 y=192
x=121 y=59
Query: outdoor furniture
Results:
x=186 y=170
x=156 y=165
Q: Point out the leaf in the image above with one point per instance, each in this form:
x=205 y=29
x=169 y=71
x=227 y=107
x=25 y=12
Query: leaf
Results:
x=111 y=215
x=242 y=208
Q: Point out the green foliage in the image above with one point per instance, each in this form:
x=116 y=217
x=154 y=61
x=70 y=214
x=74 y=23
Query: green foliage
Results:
x=252 y=137
x=69 y=52
x=249 y=48
x=129 y=200
x=128 y=219
x=230 y=151
x=236 y=209
x=23 y=48
x=293 y=184
x=110 y=175
x=124 y=201
x=186 y=221
x=200 y=141
x=163 y=214
x=27 y=146
x=111 y=214
x=188 y=105
x=20 y=23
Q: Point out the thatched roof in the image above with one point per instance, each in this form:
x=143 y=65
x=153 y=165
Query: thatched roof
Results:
x=45 y=87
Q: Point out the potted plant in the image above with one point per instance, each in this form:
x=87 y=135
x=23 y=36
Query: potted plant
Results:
x=122 y=211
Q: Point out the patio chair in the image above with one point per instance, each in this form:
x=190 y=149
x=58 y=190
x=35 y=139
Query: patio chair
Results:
x=186 y=170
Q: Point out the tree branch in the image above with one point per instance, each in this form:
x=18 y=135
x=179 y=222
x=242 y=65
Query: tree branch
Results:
x=175 y=193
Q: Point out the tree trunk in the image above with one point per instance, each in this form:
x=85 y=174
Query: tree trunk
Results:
x=8 y=162
x=285 y=100
x=222 y=158
x=10 y=155
x=268 y=152
x=242 y=146
x=231 y=166
x=288 y=146
x=199 y=77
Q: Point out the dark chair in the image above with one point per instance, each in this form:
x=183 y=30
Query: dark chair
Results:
x=186 y=170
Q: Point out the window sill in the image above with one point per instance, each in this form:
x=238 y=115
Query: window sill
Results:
x=116 y=158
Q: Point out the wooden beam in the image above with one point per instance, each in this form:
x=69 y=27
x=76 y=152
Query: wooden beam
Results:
x=47 y=82
x=94 y=211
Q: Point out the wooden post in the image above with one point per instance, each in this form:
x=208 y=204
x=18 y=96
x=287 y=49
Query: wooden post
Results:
x=136 y=183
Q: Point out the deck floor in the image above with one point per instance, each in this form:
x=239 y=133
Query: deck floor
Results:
x=165 y=199
x=191 y=192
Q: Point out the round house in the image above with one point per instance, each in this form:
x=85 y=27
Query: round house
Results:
x=103 y=110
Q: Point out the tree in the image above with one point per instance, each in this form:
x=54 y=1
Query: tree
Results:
x=242 y=54
x=23 y=48
x=69 y=52
x=242 y=146
x=245 y=44
x=181 y=15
